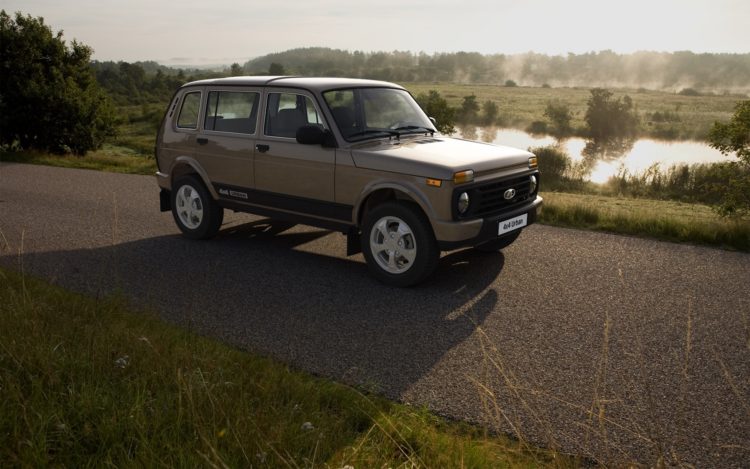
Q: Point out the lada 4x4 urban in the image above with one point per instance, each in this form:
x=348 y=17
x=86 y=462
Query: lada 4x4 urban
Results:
x=356 y=156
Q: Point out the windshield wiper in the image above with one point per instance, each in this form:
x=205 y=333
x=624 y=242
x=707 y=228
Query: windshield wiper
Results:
x=418 y=128
x=389 y=132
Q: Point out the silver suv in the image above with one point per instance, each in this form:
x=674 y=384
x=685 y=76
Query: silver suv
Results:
x=355 y=156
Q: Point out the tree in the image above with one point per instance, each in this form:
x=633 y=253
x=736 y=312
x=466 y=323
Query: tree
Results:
x=437 y=107
x=490 y=111
x=276 y=69
x=560 y=116
x=49 y=97
x=610 y=119
x=734 y=137
x=469 y=109
x=236 y=70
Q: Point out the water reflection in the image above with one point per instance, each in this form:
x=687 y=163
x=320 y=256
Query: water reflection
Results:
x=600 y=162
x=482 y=134
x=608 y=149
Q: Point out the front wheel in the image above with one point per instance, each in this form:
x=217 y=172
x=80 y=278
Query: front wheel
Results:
x=499 y=243
x=398 y=244
x=196 y=213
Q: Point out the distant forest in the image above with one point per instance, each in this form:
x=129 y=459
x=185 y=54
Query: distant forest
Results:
x=685 y=72
x=672 y=71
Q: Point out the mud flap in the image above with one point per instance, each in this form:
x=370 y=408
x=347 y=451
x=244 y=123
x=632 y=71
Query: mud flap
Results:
x=165 y=200
x=353 y=242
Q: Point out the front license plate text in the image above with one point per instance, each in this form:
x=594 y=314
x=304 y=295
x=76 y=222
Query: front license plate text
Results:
x=514 y=223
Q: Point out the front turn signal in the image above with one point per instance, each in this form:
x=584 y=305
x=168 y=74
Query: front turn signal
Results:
x=533 y=163
x=462 y=177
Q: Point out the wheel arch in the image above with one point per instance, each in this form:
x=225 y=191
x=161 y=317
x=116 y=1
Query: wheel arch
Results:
x=185 y=165
x=384 y=192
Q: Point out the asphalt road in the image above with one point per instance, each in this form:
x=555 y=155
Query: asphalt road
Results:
x=617 y=348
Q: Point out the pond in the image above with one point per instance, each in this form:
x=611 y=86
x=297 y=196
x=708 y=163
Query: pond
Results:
x=643 y=154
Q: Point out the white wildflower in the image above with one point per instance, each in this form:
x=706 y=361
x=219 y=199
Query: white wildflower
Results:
x=122 y=362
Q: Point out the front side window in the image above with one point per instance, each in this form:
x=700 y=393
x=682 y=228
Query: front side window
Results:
x=188 y=117
x=232 y=111
x=287 y=112
x=363 y=113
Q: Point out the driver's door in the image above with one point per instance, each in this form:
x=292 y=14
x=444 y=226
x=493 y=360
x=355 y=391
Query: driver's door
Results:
x=284 y=167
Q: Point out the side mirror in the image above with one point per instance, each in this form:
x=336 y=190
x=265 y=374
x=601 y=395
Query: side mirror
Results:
x=314 y=135
x=434 y=122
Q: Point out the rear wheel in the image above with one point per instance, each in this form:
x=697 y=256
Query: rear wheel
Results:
x=196 y=213
x=398 y=244
x=499 y=243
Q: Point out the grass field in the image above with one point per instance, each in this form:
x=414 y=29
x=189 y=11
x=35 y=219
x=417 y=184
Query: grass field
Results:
x=690 y=117
x=112 y=158
x=658 y=219
x=88 y=383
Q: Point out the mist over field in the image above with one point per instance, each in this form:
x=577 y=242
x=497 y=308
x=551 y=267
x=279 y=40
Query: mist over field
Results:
x=670 y=71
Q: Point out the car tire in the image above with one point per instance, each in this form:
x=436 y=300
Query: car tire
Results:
x=499 y=243
x=196 y=213
x=398 y=244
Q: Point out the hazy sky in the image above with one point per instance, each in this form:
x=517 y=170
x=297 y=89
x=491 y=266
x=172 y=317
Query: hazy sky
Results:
x=225 y=31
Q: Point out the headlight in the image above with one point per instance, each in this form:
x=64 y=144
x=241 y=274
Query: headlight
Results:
x=463 y=203
x=532 y=184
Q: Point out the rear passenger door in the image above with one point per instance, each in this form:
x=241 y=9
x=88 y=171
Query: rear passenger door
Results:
x=284 y=167
x=226 y=142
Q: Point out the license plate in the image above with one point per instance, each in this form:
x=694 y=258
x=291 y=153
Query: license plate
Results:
x=511 y=224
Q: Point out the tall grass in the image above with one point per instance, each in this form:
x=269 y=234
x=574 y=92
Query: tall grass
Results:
x=87 y=383
x=668 y=221
x=111 y=158
x=700 y=183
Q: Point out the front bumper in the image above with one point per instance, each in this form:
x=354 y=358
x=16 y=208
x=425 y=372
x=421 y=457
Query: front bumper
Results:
x=484 y=230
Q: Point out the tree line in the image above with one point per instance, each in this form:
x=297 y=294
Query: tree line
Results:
x=673 y=71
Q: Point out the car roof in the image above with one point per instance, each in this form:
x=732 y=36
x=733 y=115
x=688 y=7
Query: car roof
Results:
x=310 y=83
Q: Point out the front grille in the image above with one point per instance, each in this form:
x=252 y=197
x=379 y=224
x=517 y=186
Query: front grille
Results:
x=487 y=199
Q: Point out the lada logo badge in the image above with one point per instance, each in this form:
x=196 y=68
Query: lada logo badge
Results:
x=509 y=194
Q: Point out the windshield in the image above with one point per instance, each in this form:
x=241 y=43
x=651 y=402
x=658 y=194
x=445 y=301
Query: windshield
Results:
x=363 y=113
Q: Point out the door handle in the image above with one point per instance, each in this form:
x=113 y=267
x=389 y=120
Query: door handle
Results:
x=262 y=148
x=201 y=141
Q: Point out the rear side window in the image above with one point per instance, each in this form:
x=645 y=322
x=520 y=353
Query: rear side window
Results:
x=188 y=118
x=232 y=111
x=287 y=112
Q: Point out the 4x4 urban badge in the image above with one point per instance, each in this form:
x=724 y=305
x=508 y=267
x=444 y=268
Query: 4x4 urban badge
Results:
x=356 y=156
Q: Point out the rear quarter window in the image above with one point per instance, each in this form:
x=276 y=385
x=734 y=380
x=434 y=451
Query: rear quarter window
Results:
x=188 y=117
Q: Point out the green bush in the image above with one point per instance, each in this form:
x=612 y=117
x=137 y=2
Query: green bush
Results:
x=689 y=92
x=469 y=110
x=609 y=119
x=734 y=137
x=49 y=97
x=490 y=112
x=554 y=165
x=560 y=117
x=437 y=107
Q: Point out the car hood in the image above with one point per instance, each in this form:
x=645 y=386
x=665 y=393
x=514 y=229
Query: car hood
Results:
x=437 y=157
